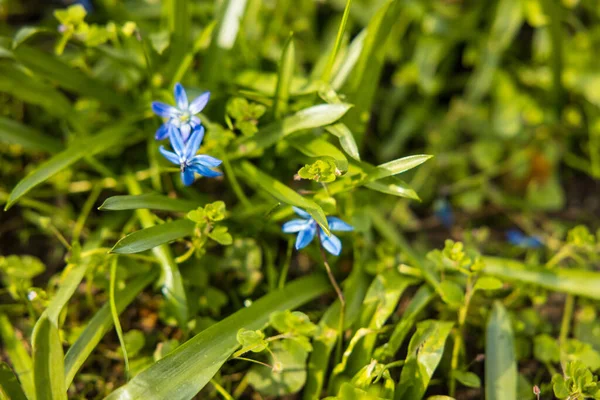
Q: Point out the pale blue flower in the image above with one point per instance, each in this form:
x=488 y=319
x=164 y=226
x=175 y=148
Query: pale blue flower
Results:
x=306 y=227
x=182 y=116
x=185 y=155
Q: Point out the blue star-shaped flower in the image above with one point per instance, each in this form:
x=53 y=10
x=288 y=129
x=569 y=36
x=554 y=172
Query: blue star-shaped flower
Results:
x=183 y=116
x=306 y=227
x=185 y=155
x=519 y=239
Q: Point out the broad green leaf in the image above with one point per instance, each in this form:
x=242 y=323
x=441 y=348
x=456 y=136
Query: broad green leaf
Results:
x=85 y=147
x=308 y=118
x=452 y=293
x=101 y=323
x=488 y=283
x=421 y=299
x=31 y=90
x=574 y=281
x=284 y=78
x=291 y=370
x=346 y=139
x=312 y=146
x=500 y=361
x=350 y=392
x=467 y=378
x=50 y=67
x=251 y=340
x=185 y=371
x=148 y=238
x=10 y=388
x=18 y=356
x=546 y=349
x=425 y=351
x=14 y=132
x=283 y=193
x=48 y=370
x=151 y=201
x=171 y=281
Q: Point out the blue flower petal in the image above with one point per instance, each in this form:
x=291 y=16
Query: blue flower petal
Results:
x=295 y=225
x=207 y=161
x=301 y=213
x=187 y=176
x=331 y=243
x=306 y=236
x=336 y=224
x=169 y=155
x=199 y=103
x=180 y=97
x=162 y=132
x=194 y=142
x=177 y=141
x=194 y=121
x=185 y=131
x=163 y=110
x=204 y=171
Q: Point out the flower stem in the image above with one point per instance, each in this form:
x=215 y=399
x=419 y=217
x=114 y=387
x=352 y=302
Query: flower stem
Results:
x=237 y=189
x=338 y=350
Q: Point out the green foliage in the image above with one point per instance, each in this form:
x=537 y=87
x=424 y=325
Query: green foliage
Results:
x=320 y=171
x=243 y=116
x=578 y=383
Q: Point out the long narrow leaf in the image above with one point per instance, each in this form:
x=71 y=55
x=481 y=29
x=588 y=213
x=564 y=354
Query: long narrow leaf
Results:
x=284 y=79
x=185 y=371
x=154 y=236
x=10 y=389
x=149 y=201
x=500 y=359
x=18 y=356
x=48 y=371
x=14 y=132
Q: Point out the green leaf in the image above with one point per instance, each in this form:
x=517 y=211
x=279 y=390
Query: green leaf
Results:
x=186 y=370
x=425 y=351
x=33 y=91
x=28 y=32
x=574 y=281
x=420 y=300
x=546 y=349
x=346 y=139
x=101 y=323
x=48 y=370
x=308 y=118
x=452 y=293
x=488 y=283
x=294 y=322
x=85 y=147
x=312 y=146
x=50 y=67
x=500 y=361
x=148 y=238
x=400 y=165
x=134 y=342
x=10 y=388
x=151 y=201
x=284 y=78
x=250 y=340
x=14 y=132
x=221 y=236
x=289 y=374
x=469 y=379
x=283 y=193
x=395 y=187
x=18 y=356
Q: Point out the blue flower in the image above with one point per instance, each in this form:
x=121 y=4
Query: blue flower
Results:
x=518 y=238
x=182 y=116
x=306 y=227
x=185 y=155
x=443 y=211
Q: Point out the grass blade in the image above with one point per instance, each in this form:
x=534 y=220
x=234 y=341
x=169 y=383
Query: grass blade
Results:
x=14 y=132
x=500 y=361
x=48 y=371
x=18 y=355
x=284 y=80
x=172 y=284
x=101 y=323
x=10 y=388
x=573 y=281
x=147 y=201
x=312 y=117
x=185 y=371
x=283 y=193
x=79 y=149
x=424 y=354
x=148 y=238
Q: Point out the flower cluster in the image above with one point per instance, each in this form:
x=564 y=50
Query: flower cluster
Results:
x=185 y=132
